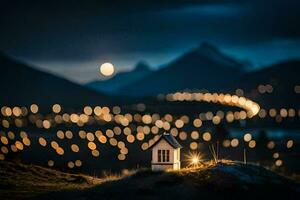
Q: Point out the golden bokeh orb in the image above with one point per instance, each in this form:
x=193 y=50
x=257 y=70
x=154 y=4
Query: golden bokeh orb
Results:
x=206 y=136
x=247 y=137
x=50 y=163
x=78 y=163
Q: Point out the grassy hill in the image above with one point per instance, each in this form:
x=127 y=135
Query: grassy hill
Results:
x=18 y=181
x=226 y=180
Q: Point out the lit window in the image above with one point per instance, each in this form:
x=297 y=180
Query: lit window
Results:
x=167 y=155
x=163 y=155
x=159 y=156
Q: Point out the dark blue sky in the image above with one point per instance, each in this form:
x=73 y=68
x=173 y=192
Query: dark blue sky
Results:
x=72 y=37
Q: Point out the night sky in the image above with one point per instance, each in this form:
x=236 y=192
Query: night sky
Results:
x=71 y=38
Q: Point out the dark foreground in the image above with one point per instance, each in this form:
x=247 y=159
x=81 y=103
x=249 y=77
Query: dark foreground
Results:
x=222 y=181
x=18 y=181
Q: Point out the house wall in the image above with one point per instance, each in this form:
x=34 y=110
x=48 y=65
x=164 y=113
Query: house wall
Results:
x=174 y=162
x=176 y=156
x=163 y=145
x=162 y=167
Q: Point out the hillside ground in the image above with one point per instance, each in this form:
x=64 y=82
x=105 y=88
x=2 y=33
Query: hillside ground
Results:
x=225 y=180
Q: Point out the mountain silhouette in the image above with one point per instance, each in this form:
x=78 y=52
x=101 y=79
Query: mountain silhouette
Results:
x=283 y=77
x=24 y=85
x=121 y=79
x=202 y=68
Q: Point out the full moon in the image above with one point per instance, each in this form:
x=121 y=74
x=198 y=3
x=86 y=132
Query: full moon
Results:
x=107 y=69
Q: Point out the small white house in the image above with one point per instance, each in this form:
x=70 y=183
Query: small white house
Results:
x=165 y=153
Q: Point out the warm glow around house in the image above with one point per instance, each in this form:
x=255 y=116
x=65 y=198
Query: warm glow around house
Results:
x=194 y=159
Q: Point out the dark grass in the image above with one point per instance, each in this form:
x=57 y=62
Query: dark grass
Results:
x=20 y=181
x=225 y=180
x=221 y=181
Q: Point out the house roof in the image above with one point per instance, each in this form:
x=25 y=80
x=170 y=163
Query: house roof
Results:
x=170 y=139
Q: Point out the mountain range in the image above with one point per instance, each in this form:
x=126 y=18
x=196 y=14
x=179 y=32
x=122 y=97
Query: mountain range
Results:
x=207 y=68
x=204 y=67
x=21 y=84
x=283 y=77
x=121 y=79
